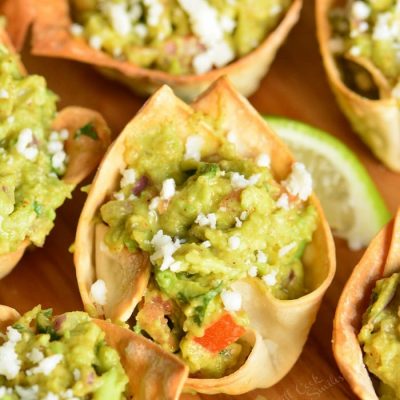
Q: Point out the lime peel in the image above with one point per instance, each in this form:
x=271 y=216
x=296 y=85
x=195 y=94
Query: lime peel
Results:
x=353 y=205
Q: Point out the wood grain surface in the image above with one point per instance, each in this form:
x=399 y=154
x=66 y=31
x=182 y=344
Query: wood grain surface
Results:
x=296 y=87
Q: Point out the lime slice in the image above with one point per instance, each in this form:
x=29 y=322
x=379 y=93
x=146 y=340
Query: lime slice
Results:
x=353 y=206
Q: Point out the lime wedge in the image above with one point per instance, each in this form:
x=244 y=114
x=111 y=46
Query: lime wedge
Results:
x=353 y=206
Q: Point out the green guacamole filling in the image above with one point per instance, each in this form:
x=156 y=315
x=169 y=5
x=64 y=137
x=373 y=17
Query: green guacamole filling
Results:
x=368 y=30
x=32 y=159
x=65 y=357
x=176 y=36
x=207 y=221
x=380 y=336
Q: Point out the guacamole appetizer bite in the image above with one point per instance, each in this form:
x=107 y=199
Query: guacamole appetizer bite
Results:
x=202 y=233
x=366 y=327
x=359 y=42
x=72 y=356
x=186 y=44
x=43 y=155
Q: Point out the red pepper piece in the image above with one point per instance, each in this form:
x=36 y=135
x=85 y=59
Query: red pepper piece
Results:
x=221 y=334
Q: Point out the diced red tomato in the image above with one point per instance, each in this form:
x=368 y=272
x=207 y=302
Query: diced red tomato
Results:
x=221 y=334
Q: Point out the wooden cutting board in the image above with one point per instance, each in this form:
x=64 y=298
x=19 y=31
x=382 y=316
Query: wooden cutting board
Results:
x=295 y=87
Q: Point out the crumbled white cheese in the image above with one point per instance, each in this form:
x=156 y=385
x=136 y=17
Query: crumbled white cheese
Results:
x=206 y=244
x=46 y=366
x=58 y=159
x=98 y=292
x=244 y=215
x=238 y=222
x=253 y=271
x=10 y=364
x=11 y=119
x=168 y=189
x=283 y=201
x=25 y=145
x=51 y=396
x=270 y=279
x=128 y=177
x=238 y=181
x=207 y=220
x=5 y=391
x=141 y=30
x=76 y=29
x=35 y=355
x=360 y=10
x=202 y=63
x=228 y=24
x=154 y=11
x=194 y=144
x=119 y=196
x=355 y=51
x=299 y=182
x=286 y=249
x=382 y=29
x=175 y=266
x=234 y=242
x=164 y=247
x=155 y=202
x=261 y=257
x=263 y=160
x=119 y=18
x=4 y=94
x=232 y=300
x=95 y=42
x=27 y=393
x=207 y=26
x=77 y=374
x=13 y=335
x=54 y=146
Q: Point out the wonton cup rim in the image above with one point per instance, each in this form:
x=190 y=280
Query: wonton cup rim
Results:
x=381 y=134
x=51 y=39
x=140 y=358
x=381 y=259
x=319 y=254
x=73 y=117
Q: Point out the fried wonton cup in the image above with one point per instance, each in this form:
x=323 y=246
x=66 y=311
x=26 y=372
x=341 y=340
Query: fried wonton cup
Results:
x=381 y=260
x=278 y=328
x=152 y=372
x=83 y=152
x=376 y=121
x=52 y=37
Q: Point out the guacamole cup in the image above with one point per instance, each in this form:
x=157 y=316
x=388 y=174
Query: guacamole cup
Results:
x=366 y=313
x=44 y=154
x=226 y=307
x=72 y=355
x=358 y=49
x=245 y=67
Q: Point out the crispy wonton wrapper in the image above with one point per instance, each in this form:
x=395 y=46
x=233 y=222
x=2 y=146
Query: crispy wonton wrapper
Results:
x=376 y=121
x=52 y=37
x=278 y=329
x=381 y=259
x=84 y=154
x=153 y=373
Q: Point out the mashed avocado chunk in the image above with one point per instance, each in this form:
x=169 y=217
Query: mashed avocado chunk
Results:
x=380 y=336
x=368 y=30
x=58 y=358
x=176 y=36
x=207 y=220
x=32 y=157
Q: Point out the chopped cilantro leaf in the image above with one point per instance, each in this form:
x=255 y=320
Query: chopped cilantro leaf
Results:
x=87 y=130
